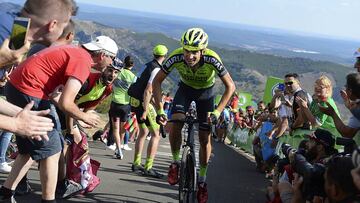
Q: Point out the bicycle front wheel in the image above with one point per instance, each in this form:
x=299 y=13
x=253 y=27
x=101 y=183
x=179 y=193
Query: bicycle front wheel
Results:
x=187 y=183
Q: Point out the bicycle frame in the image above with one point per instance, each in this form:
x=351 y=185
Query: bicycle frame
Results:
x=188 y=173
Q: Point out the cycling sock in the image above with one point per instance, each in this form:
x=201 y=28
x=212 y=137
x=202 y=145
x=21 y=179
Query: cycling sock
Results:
x=149 y=163
x=48 y=201
x=137 y=160
x=176 y=155
x=202 y=173
x=6 y=193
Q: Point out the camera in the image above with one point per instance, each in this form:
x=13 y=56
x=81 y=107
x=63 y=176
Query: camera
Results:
x=348 y=143
x=313 y=174
x=356 y=157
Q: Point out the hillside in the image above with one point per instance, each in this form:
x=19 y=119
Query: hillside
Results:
x=248 y=69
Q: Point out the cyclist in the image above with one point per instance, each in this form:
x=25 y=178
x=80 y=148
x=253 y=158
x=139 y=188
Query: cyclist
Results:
x=197 y=67
x=141 y=94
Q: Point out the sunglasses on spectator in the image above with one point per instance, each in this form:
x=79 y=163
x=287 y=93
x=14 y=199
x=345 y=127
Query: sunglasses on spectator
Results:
x=112 y=57
x=289 y=83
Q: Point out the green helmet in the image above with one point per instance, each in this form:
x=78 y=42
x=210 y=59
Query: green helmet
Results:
x=194 y=39
x=160 y=50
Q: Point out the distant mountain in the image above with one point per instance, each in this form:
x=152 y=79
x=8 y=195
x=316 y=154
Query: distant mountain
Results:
x=226 y=35
x=248 y=69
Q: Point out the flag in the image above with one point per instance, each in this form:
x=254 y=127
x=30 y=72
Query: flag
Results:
x=272 y=84
x=245 y=99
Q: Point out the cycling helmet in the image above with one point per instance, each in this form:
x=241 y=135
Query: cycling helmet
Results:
x=117 y=64
x=194 y=39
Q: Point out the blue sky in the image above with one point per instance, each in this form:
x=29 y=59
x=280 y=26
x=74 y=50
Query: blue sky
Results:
x=336 y=18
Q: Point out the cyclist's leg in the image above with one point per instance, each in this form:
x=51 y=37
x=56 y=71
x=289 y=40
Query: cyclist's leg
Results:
x=143 y=132
x=179 y=108
x=203 y=107
x=155 y=137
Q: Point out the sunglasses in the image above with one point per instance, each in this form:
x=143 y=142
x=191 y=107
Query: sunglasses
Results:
x=289 y=83
x=110 y=56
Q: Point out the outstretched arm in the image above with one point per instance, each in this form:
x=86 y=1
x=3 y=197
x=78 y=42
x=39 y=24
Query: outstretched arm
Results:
x=28 y=124
x=66 y=103
x=344 y=130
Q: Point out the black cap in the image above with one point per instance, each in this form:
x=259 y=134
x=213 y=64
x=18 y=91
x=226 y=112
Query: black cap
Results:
x=324 y=137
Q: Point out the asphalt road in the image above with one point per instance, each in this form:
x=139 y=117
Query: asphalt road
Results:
x=231 y=178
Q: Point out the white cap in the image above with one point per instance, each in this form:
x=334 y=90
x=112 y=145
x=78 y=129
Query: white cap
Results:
x=357 y=53
x=103 y=43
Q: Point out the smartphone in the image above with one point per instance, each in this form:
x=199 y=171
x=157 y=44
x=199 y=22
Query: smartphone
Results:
x=281 y=87
x=19 y=31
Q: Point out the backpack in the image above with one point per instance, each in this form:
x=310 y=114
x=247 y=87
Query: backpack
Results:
x=80 y=167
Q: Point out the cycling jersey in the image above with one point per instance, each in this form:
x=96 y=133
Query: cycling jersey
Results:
x=136 y=90
x=121 y=86
x=204 y=76
x=92 y=92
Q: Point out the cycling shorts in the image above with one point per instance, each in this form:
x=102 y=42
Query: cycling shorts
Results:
x=204 y=99
x=150 y=121
x=121 y=111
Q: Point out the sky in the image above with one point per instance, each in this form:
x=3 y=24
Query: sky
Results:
x=333 y=18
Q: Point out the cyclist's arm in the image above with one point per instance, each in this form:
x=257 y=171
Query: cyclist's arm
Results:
x=159 y=78
x=229 y=90
x=148 y=90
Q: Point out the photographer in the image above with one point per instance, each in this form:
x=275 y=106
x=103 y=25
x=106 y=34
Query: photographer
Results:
x=317 y=149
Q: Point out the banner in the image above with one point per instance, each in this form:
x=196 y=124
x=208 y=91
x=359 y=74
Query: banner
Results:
x=245 y=99
x=272 y=84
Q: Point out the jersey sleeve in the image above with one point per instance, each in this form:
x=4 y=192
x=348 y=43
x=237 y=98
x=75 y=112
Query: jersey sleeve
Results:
x=153 y=74
x=213 y=59
x=175 y=57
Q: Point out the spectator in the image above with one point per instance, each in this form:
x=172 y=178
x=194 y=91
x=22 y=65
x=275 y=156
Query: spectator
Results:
x=351 y=94
x=43 y=13
x=223 y=125
x=141 y=93
x=323 y=95
x=48 y=70
x=234 y=102
x=120 y=106
x=357 y=60
x=292 y=83
x=48 y=20
x=260 y=109
x=339 y=186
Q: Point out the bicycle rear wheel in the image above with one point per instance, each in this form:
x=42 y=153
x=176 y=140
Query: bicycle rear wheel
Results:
x=187 y=183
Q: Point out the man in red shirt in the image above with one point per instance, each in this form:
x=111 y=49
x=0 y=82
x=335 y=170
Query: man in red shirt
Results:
x=35 y=79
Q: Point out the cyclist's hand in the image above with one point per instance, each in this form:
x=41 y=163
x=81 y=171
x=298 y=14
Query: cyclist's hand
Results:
x=213 y=117
x=143 y=116
x=161 y=117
